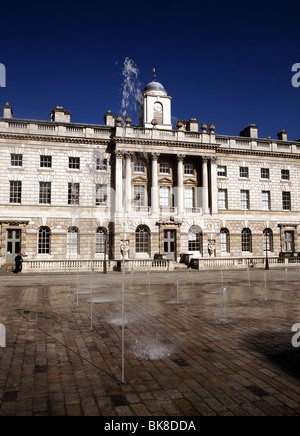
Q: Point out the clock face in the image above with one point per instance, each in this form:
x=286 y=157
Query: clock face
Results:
x=157 y=107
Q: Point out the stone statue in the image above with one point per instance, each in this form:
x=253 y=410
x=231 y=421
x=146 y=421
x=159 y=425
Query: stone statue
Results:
x=124 y=247
x=211 y=247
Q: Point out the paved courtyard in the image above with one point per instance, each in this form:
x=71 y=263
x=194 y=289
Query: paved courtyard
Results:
x=192 y=343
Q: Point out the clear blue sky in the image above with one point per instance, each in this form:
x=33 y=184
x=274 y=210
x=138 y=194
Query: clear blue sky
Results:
x=223 y=62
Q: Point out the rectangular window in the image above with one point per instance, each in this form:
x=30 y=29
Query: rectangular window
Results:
x=188 y=170
x=285 y=174
x=244 y=172
x=101 y=195
x=245 y=200
x=222 y=198
x=101 y=164
x=73 y=193
x=222 y=171
x=286 y=201
x=45 y=193
x=16 y=160
x=45 y=161
x=15 y=192
x=139 y=167
x=266 y=200
x=164 y=168
x=264 y=173
x=164 y=196
x=74 y=163
x=189 y=198
x=139 y=196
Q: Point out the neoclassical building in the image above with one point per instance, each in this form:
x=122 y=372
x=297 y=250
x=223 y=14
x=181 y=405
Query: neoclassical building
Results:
x=144 y=194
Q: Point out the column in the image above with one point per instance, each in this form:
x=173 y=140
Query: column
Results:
x=119 y=181
x=154 y=187
x=204 y=185
x=180 y=193
x=213 y=185
x=128 y=156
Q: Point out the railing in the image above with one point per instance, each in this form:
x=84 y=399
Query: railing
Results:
x=235 y=262
x=73 y=266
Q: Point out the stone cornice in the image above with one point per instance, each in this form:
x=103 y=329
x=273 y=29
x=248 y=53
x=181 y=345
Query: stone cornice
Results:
x=258 y=153
x=58 y=139
x=162 y=143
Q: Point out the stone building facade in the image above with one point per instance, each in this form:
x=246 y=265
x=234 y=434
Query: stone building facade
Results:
x=115 y=191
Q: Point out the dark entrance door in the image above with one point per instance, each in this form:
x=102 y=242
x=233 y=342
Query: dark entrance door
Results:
x=13 y=244
x=289 y=242
x=170 y=244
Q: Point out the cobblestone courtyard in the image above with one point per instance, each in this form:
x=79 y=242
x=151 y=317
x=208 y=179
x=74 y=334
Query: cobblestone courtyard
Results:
x=191 y=347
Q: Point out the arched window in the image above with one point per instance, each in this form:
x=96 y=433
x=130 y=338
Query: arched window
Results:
x=246 y=240
x=195 y=238
x=158 y=112
x=142 y=239
x=101 y=235
x=268 y=240
x=73 y=240
x=224 y=241
x=44 y=240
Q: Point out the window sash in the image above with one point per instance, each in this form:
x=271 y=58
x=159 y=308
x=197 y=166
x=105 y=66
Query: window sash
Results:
x=266 y=200
x=101 y=195
x=15 y=192
x=139 y=196
x=45 y=161
x=73 y=194
x=44 y=241
x=16 y=160
x=189 y=197
x=72 y=242
x=222 y=198
x=244 y=200
x=164 y=194
x=45 y=193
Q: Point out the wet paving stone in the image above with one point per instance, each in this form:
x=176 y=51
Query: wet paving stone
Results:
x=199 y=357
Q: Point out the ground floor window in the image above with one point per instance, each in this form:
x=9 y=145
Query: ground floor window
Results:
x=246 y=240
x=224 y=241
x=142 y=239
x=73 y=241
x=268 y=240
x=44 y=240
x=195 y=235
x=100 y=240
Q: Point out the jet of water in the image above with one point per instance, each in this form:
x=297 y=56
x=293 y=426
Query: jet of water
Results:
x=131 y=93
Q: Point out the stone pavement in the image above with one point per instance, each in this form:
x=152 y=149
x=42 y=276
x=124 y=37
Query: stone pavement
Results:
x=187 y=347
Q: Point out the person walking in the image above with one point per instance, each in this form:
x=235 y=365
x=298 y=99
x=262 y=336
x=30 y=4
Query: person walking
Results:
x=18 y=263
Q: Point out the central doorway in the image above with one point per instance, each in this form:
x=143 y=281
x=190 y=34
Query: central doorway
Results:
x=170 y=244
x=289 y=241
x=13 y=244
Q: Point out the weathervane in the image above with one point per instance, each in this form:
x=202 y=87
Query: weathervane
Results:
x=154 y=74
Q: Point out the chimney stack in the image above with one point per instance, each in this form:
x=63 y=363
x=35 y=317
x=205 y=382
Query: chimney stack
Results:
x=250 y=131
x=60 y=115
x=282 y=136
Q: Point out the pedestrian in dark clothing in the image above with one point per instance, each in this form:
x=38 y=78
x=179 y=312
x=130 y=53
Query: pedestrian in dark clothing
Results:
x=18 y=264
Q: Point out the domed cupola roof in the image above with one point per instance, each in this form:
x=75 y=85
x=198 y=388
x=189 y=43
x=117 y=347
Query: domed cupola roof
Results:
x=155 y=86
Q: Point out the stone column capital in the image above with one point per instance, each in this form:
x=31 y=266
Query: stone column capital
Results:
x=180 y=157
x=119 y=154
x=128 y=154
x=155 y=156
